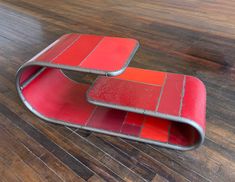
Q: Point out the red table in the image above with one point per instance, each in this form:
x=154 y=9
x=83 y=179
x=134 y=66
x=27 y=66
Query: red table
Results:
x=155 y=107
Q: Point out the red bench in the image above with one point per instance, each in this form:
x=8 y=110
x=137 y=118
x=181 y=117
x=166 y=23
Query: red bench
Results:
x=155 y=107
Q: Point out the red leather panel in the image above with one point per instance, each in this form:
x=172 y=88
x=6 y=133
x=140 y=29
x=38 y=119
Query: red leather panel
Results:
x=59 y=47
x=92 y=52
x=143 y=76
x=155 y=128
x=194 y=102
x=55 y=96
x=131 y=130
x=183 y=134
x=79 y=50
x=125 y=93
x=134 y=119
x=107 y=119
x=111 y=54
x=172 y=93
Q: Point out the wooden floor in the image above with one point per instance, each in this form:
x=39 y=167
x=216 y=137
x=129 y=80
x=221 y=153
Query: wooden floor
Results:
x=195 y=37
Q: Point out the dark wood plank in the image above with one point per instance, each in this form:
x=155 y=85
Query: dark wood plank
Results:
x=38 y=166
x=99 y=153
x=7 y=174
x=15 y=163
x=38 y=150
x=160 y=166
x=79 y=161
x=60 y=153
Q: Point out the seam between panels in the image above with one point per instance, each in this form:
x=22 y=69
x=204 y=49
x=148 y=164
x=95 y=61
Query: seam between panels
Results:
x=92 y=113
x=123 y=122
x=144 y=83
x=182 y=97
x=65 y=49
x=142 y=126
x=80 y=64
x=161 y=92
x=181 y=103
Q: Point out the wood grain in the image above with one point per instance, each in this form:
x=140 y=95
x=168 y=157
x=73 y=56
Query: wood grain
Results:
x=191 y=37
